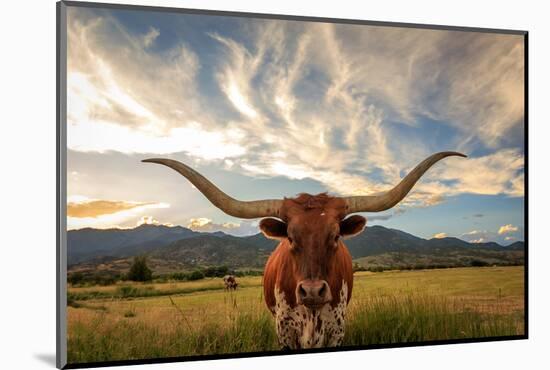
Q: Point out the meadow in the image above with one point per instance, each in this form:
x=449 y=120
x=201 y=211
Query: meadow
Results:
x=148 y=320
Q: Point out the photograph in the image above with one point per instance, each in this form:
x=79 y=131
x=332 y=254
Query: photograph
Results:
x=249 y=184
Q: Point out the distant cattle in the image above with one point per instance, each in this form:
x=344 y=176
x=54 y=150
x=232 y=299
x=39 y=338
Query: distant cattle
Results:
x=308 y=278
x=230 y=282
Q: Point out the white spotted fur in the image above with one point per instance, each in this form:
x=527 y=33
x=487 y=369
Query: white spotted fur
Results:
x=299 y=327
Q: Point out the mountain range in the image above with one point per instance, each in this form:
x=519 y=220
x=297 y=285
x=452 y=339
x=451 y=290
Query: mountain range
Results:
x=176 y=248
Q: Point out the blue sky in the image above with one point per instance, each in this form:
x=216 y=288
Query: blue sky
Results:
x=271 y=108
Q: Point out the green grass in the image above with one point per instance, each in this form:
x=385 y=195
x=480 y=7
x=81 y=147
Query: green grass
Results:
x=388 y=307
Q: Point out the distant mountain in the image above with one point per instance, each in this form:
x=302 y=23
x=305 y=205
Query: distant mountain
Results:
x=88 y=243
x=180 y=247
x=378 y=246
x=212 y=250
x=517 y=246
x=376 y=240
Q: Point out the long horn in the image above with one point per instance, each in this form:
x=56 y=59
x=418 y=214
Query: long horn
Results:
x=377 y=203
x=231 y=206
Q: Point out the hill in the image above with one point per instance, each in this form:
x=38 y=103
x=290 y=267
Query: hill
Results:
x=212 y=250
x=88 y=243
x=178 y=248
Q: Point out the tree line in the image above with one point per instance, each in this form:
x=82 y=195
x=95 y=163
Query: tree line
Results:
x=141 y=272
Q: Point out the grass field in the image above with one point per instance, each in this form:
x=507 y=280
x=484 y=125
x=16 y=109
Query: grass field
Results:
x=135 y=321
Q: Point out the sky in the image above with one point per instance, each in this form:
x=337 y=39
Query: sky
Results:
x=273 y=108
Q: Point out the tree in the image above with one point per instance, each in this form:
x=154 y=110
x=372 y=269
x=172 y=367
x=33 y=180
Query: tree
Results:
x=195 y=275
x=139 y=271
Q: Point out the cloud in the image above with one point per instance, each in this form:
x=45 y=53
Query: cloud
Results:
x=479 y=236
x=108 y=65
x=101 y=137
x=440 y=235
x=123 y=97
x=474 y=232
x=353 y=104
x=150 y=36
x=500 y=236
x=353 y=108
x=493 y=174
x=507 y=229
x=83 y=212
x=150 y=220
x=199 y=223
x=476 y=215
x=95 y=208
x=207 y=225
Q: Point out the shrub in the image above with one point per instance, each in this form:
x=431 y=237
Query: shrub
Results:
x=195 y=275
x=216 y=271
x=478 y=263
x=139 y=271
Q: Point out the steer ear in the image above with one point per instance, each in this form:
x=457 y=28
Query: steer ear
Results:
x=273 y=229
x=352 y=226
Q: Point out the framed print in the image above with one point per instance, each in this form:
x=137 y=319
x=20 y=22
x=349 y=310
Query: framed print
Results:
x=235 y=184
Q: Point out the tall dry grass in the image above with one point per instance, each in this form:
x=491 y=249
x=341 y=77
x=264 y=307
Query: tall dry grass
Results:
x=199 y=318
x=378 y=320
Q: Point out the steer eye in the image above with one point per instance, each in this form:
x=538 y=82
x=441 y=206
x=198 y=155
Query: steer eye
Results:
x=290 y=240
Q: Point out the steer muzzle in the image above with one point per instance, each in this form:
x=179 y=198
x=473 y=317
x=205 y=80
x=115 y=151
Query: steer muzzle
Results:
x=313 y=293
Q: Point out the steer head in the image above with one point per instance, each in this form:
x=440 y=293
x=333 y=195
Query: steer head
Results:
x=311 y=229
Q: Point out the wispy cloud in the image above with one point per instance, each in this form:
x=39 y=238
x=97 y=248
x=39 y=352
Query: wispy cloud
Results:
x=352 y=107
x=150 y=36
x=440 y=235
x=124 y=97
x=113 y=77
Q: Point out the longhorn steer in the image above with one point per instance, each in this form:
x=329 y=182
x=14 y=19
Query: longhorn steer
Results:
x=308 y=279
x=230 y=282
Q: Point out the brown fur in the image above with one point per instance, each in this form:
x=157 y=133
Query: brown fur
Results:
x=312 y=222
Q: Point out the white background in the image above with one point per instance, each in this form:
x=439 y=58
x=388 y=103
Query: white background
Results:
x=27 y=182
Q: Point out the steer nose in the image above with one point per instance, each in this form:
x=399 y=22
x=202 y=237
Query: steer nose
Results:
x=313 y=293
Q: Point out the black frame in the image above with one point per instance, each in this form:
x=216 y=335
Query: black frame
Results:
x=61 y=146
